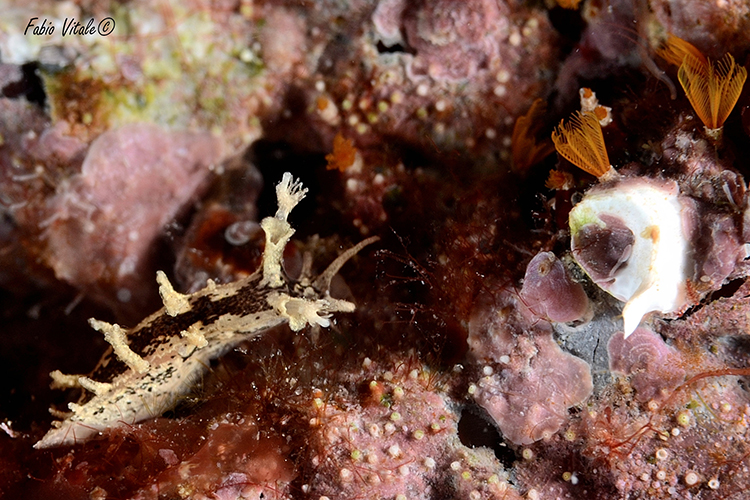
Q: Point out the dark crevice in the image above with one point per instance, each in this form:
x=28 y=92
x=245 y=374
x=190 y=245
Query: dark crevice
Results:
x=272 y=159
x=738 y=344
x=475 y=429
x=569 y=23
x=393 y=49
x=30 y=86
x=726 y=291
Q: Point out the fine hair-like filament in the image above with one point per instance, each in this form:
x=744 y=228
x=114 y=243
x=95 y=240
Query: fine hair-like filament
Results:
x=712 y=88
x=580 y=141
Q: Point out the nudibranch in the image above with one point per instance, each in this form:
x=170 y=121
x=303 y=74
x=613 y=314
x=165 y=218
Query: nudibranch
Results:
x=149 y=367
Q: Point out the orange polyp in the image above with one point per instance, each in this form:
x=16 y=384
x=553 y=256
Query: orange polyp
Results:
x=322 y=103
x=600 y=112
x=675 y=49
x=712 y=88
x=559 y=180
x=580 y=141
x=344 y=154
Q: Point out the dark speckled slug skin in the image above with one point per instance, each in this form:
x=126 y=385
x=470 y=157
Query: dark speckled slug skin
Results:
x=149 y=367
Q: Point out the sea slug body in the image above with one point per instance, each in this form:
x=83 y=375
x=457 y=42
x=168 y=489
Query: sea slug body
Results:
x=150 y=366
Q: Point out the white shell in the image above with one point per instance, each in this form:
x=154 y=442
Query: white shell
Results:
x=655 y=274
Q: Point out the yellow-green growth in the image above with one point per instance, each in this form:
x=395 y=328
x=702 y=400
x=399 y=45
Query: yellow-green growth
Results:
x=583 y=216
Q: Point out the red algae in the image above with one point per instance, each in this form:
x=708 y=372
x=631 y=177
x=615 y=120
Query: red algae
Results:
x=654 y=367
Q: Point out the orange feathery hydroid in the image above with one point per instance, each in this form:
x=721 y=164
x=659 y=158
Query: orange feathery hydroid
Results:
x=675 y=49
x=580 y=141
x=712 y=88
x=526 y=151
